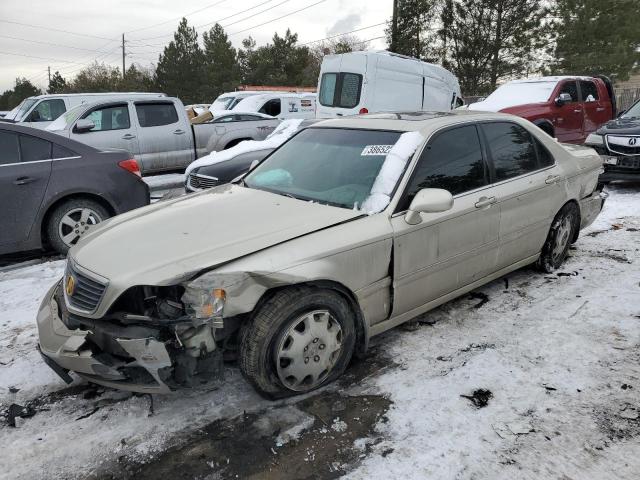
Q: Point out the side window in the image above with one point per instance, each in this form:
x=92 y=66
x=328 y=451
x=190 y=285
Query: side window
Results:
x=512 y=149
x=48 y=110
x=350 y=91
x=571 y=88
x=545 y=159
x=452 y=161
x=589 y=91
x=272 y=107
x=9 y=150
x=228 y=118
x=113 y=117
x=156 y=114
x=328 y=89
x=33 y=149
x=249 y=117
x=62 y=152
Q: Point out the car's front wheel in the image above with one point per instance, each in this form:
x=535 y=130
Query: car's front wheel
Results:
x=561 y=235
x=300 y=339
x=71 y=220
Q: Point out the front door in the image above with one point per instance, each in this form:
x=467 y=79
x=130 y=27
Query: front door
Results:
x=113 y=129
x=569 y=117
x=25 y=168
x=165 y=142
x=451 y=249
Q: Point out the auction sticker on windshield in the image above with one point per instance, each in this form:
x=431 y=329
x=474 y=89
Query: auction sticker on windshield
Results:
x=376 y=150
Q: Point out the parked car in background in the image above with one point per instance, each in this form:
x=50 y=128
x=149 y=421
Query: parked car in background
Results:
x=41 y=110
x=567 y=108
x=618 y=142
x=53 y=190
x=350 y=228
x=157 y=132
x=369 y=82
x=282 y=105
x=223 y=167
x=228 y=100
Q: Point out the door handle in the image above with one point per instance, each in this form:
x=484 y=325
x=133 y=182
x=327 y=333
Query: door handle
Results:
x=552 y=179
x=485 y=202
x=23 y=180
x=577 y=111
x=178 y=132
x=600 y=109
x=128 y=136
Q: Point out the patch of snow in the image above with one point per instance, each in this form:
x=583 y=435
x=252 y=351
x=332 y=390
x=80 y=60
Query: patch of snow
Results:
x=281 y=133
x=392 y=168
x=339 y=426
x=516 y=93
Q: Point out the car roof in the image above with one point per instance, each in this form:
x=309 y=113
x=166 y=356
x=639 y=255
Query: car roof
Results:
x=421 y=121
x=78 y=147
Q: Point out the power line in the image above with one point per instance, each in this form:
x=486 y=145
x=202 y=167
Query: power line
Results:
x=254 y=15
x=51 y=44
x=33 y=56
x=178 y=18
x=278 y=18
x=54 y=29
x=342 y=34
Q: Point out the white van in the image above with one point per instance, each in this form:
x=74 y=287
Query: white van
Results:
x=281 y=105
x=380 y=81
x=41 y=110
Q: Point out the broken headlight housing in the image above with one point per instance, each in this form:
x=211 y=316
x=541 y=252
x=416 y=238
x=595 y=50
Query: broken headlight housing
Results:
x=204 y=304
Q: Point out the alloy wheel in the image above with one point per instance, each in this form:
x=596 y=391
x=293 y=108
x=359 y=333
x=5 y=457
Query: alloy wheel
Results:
x=75 y=223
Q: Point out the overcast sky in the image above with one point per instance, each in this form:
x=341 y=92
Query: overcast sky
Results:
x=142 y=19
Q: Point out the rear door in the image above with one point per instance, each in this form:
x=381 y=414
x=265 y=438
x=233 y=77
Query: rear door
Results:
x=529 y=188
x=569 y=118
x=595 y=109
x=165 y=141
x=451 y=249
x=113 y=128
x=25 y=169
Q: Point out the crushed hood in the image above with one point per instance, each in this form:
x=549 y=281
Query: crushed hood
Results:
x=158 y=244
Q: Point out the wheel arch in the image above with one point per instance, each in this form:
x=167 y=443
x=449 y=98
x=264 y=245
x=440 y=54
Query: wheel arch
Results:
x=70 y=196
x=573 y=201
x=235 y=141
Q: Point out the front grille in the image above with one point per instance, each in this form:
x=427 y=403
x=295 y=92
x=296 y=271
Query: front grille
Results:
x=86 y=293
x=620 y=144
x=629 y=162
x=200 y=182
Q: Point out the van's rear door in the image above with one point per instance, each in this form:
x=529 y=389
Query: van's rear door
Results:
x=341 y=90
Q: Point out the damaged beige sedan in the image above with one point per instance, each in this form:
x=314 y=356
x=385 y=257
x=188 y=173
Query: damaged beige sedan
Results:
x=350 y=228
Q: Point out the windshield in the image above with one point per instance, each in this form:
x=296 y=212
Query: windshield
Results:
x=66 y=119
x=222 y=103
x=327 y=165
x=633 y=112
x=18 y=112
x=517 y=93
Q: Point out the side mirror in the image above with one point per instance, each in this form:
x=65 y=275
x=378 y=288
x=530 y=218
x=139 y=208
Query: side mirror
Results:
x=34 y=117
x=428 y=200
x=84 y=125
x=562 y=99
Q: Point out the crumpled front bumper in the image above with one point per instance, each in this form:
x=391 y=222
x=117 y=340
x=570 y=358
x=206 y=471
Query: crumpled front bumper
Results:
x=68 y=350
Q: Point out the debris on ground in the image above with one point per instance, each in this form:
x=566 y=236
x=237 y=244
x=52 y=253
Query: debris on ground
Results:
x=18 y=411
x=483 y=297
x=479 y=398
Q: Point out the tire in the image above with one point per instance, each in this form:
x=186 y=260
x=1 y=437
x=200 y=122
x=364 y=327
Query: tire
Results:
x=61 y=233
x=561 y=235
x=300 y=339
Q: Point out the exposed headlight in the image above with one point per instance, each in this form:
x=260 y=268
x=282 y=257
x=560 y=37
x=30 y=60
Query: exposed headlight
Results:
x=204 y=304
x=594 y=139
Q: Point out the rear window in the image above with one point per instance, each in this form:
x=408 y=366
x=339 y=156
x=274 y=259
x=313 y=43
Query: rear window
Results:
x=62 y=152
x=9 y=151
x=33 y=149
x=156 y=114
x=340 y=90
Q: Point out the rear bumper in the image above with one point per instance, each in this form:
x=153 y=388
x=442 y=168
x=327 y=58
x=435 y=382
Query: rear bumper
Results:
x=591 y=206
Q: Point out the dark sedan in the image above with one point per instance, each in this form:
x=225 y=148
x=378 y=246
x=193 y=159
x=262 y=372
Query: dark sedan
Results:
x=52 y=189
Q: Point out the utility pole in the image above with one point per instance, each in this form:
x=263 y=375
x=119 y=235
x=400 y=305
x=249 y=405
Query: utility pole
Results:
x=123 y=56
x=49 y=73
x=394 y=27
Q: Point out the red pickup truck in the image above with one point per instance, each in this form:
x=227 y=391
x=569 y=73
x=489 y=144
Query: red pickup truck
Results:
x=568 y=108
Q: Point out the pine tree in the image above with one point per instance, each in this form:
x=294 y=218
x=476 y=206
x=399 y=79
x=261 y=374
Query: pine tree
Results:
x=415 y=28
x=222 y=71
x=596 y=37
x=57 y=84
x=180 y=70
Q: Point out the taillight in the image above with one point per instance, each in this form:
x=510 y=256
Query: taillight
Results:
x=363 y=110
x=131 y=166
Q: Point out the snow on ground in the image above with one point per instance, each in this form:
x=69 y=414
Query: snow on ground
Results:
x=560 y=355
